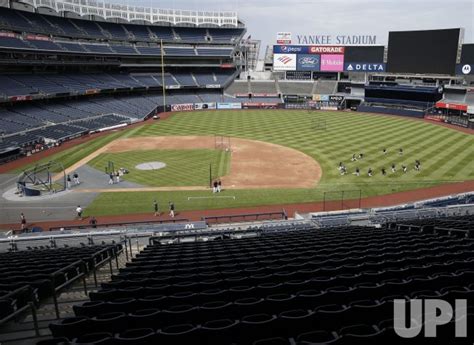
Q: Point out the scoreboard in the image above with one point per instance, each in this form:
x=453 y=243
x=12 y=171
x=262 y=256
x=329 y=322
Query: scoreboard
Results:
x=328 y=58
x=308 y=58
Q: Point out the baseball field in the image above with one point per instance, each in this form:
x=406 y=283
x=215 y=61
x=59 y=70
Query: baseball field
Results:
x=273 y=157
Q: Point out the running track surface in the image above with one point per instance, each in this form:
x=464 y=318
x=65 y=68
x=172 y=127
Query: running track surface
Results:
x=376 y=201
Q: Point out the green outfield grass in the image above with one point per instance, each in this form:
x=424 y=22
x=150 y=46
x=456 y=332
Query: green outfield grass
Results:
x=446 y=155
x=183 y=167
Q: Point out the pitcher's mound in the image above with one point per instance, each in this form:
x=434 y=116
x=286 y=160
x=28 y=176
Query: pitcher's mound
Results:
x=151 y=166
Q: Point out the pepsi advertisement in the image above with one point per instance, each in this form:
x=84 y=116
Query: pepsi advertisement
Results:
x=308 y=62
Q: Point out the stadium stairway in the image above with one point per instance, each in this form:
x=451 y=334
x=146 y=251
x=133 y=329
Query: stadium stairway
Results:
x=22 y=331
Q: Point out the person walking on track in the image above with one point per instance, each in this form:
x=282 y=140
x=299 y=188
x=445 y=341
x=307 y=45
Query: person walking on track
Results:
x=23 y=221
x=155 y=207
x=171 y=205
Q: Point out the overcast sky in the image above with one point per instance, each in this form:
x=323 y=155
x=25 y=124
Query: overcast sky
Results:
x=264 y=18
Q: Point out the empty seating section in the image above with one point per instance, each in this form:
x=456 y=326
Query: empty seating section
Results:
x=297 y=285
x=175 y=51
x=454 y=96
x=470 y=98
x=325 y=87
x=138 y=32
x=50 y=84
x=98 y=48
x=114 y=31
x=45 y=272
x=205 y=78
x=13 y=42
x=184 y=79
x=44 y=45
x=214 y=52
x=225 y=35
x=238 y=87
x=263 y=87
x=162 y=33
x=296 y=88
x=90 y=28
x=22 y=21
x=191 y=34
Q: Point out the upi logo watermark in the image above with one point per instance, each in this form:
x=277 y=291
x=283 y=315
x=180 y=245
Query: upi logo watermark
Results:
x=429 y=313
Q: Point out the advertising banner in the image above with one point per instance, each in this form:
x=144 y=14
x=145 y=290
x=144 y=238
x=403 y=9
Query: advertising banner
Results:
x=8 y=34
x=182 y=107
x=464 y=69
x=336 y=99
x=308 y=62
x=321 y=98
x=332 y=63
x=37 y=38
x=20 y=98
x=255 y=105
x=229 y=105
x=294 y=75
x=284 y=37
x=326 y=50
x=364 y=67
x=284 y=62
x=213 y=86
x=452 y=106
x=204 y=106
x=265 y=95
x=285 y=49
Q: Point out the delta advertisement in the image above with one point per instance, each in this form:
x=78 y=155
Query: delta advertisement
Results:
x=364 y=67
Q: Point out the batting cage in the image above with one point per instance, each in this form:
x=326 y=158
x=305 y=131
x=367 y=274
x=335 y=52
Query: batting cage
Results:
x=42 y=179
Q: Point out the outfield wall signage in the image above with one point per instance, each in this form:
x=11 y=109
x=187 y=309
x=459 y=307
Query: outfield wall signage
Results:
x=284 y=62
x=262 y=105
x=204 y=106
x=364 y=67
x=182 y=107
x=229 y=105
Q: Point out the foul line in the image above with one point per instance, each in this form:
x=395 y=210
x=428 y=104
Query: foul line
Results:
x=210 y=197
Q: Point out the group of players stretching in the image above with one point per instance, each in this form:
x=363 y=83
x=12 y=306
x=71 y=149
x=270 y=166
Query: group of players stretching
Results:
x=343 y=170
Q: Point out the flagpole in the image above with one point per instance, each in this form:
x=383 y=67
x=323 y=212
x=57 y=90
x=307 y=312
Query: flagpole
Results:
x=163 y=74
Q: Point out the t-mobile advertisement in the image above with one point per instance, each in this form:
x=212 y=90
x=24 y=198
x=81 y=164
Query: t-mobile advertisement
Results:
x=332 y=63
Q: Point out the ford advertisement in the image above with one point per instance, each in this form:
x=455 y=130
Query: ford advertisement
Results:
x=308 y=62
